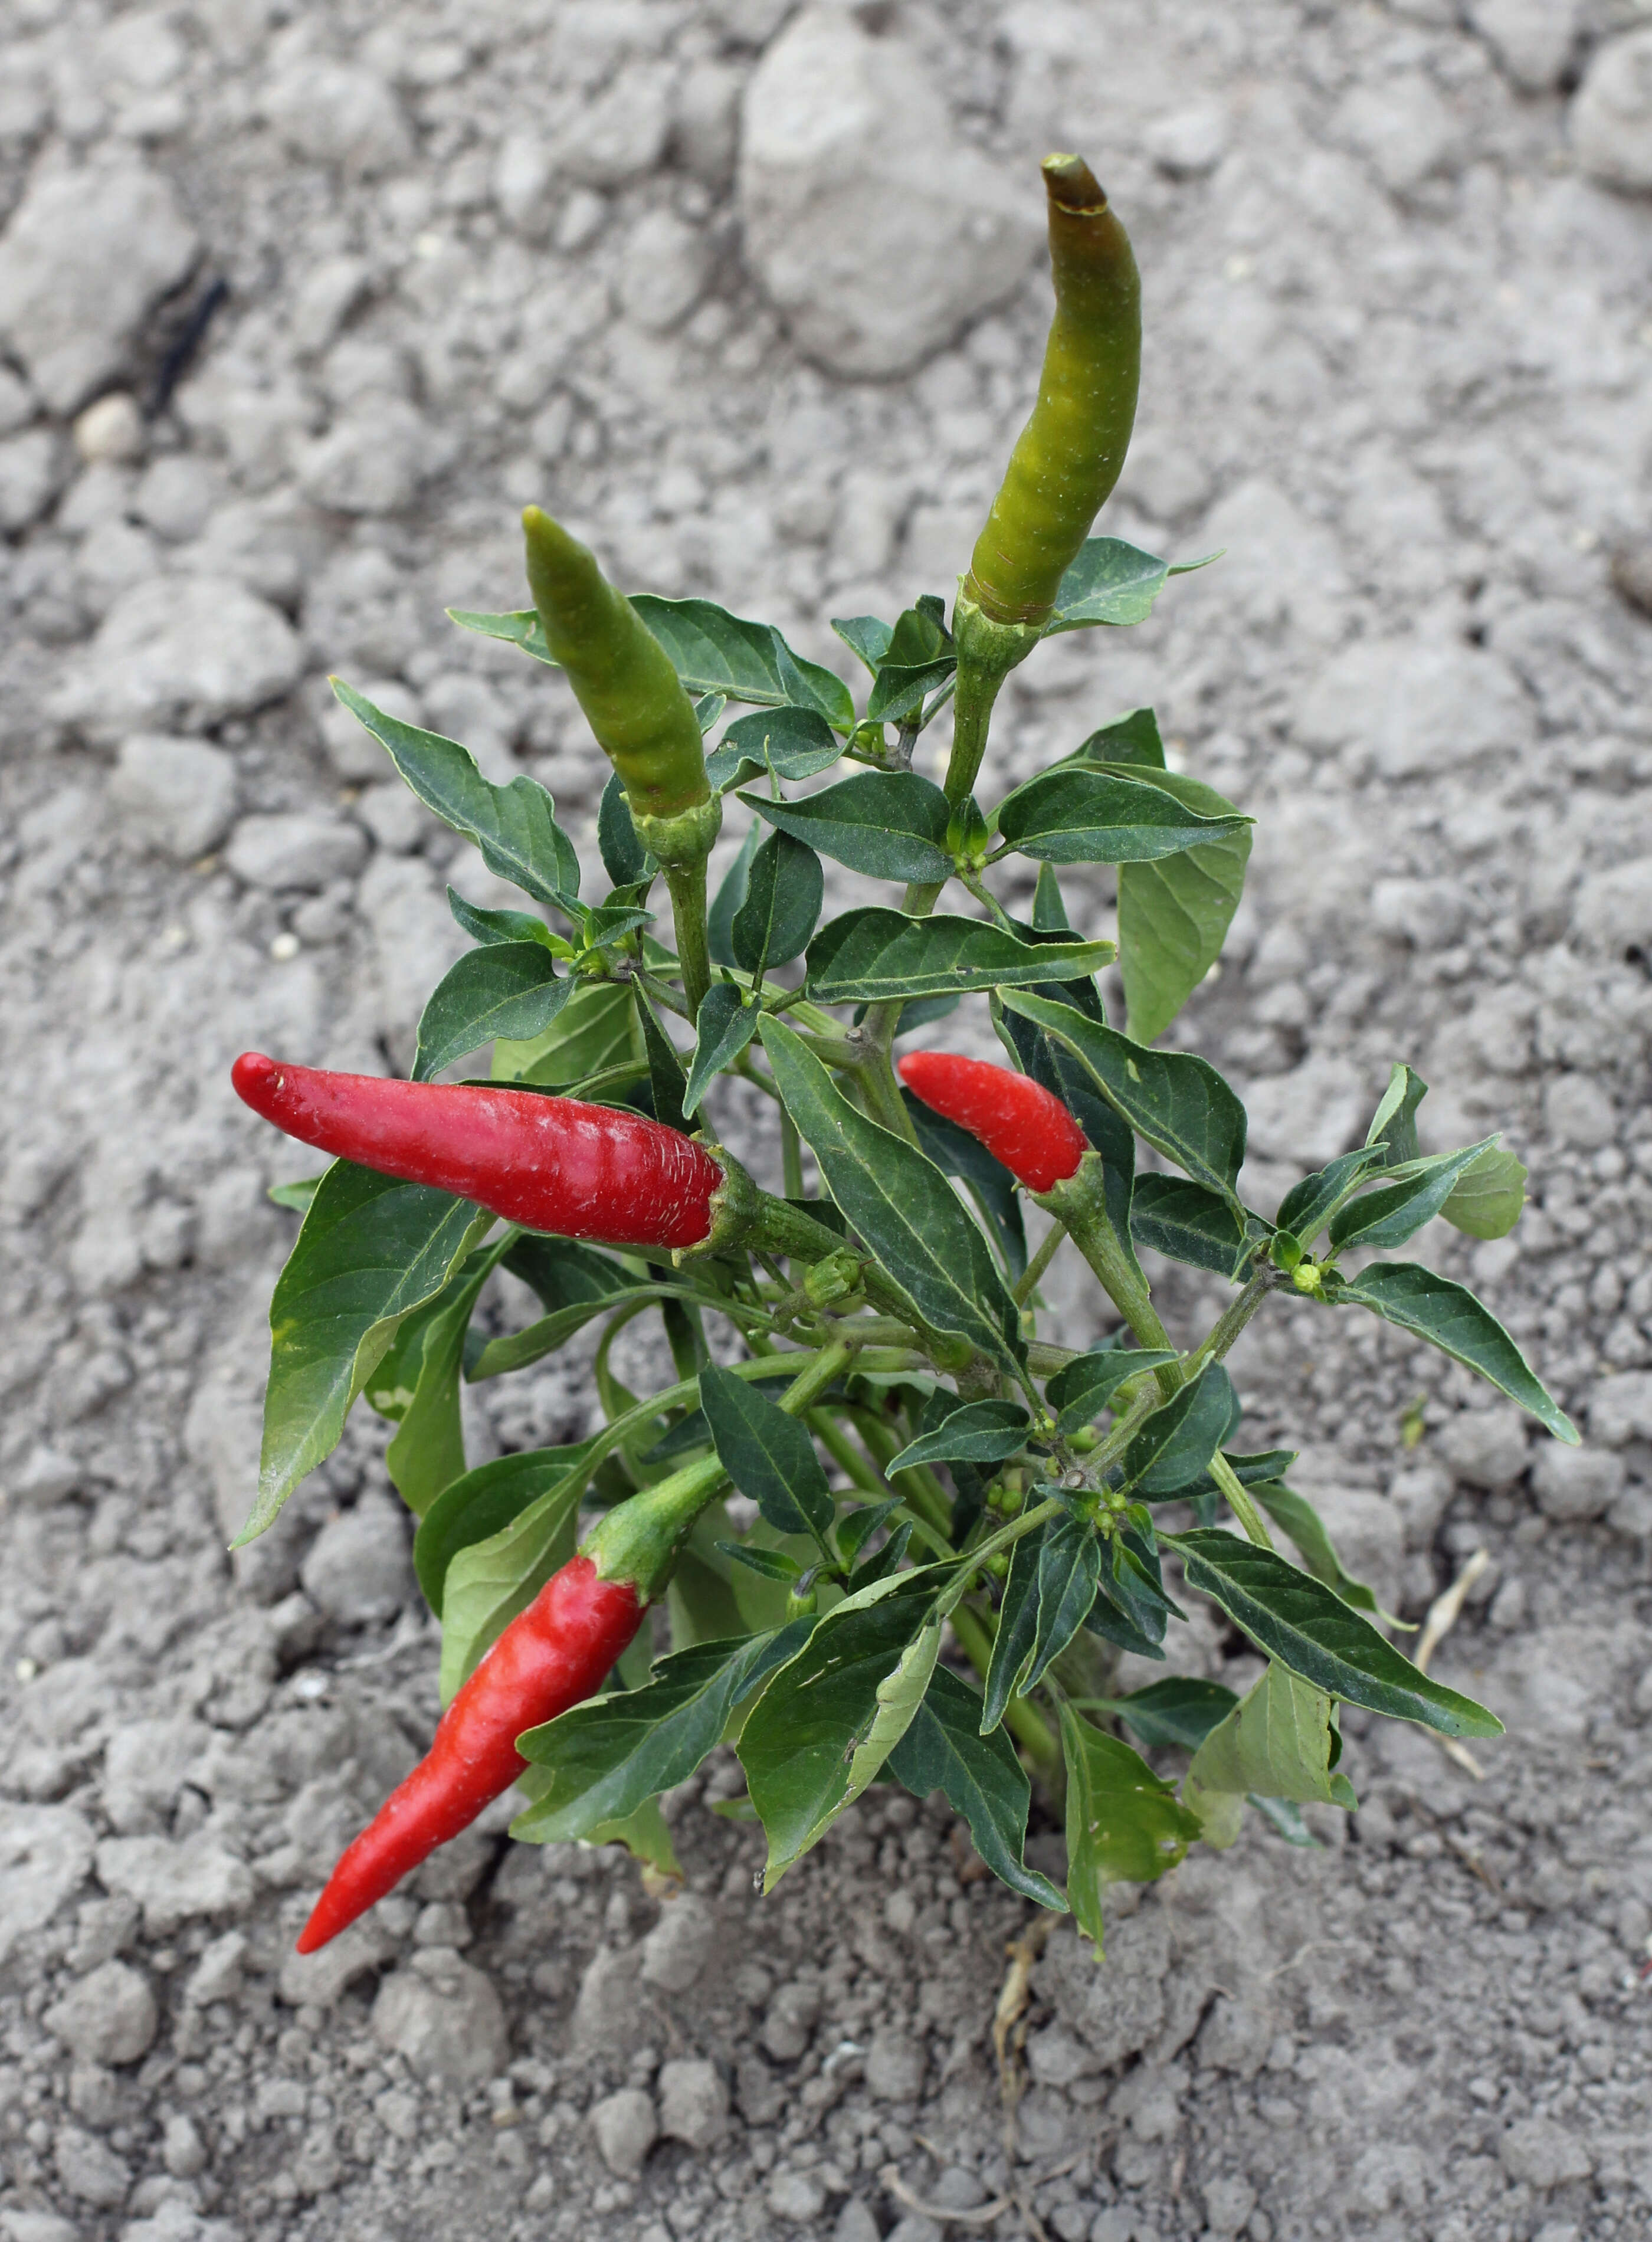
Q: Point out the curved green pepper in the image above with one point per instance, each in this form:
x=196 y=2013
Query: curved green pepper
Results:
x=1071 y=453
x=623 y=678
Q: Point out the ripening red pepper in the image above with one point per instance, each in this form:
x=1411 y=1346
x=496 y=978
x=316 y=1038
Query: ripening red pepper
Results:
x=550 y=1657
x=1020 y=1122
x=550 y=1163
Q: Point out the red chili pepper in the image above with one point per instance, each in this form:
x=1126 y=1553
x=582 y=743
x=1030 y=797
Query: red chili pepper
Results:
x=550 y=1657
x=1021 y=1123
x=552 y=1164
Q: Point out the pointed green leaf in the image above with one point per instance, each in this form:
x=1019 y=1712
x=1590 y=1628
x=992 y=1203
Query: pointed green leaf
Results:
x=892 y=824
x=1392 y=1212
x=1309 y=1204
x=488 y=1581
x=768 y=1455
x=507 y=988
x=783 y=895
x=731 y=893
x=1176 y=1442
x=829 y=1717
x=1132 y=739
x=1180 y=1103
x=1302 y=1624
x=1185 y=1222
x=793 y=743
x=1249 y=1471
x=1080 y=1390
x=979 y=1433
x=1314 y=1546
x=370 y=1251
x=1017 y=1630
x=596 y=1029
x=1488 y=1196
x=481 y=1504
x=1075 y=813
x=1070 y=1564
x=727 y=1023
x=516 y=1350
x=599 y=1761
x=867 y=636
x=1277 y=1740
x=502 y=925
x=1177 y=1711
x=1124 y=1825
x=1395 y=1124
x=1110 y=582
x=1174 y=913
x=513 y=826
x=900 y=1204
x=428 y=1452
x=867 y=957
x=1449 y=1316
x=624 y=858
x=980 y=1776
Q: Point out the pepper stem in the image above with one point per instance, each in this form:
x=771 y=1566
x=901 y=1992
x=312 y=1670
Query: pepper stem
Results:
x=686 y=884
x=1027 y=1283
x=1080 y=1204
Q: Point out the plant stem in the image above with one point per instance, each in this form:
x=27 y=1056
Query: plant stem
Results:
x=977 y=689
x=1239 y=1503
x=1024 y=1722
x=1078 y=1204
x=686 y=884
x=1027 y=1283
x=1230 y=1324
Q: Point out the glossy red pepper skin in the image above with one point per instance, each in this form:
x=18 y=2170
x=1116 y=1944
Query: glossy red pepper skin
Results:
x=1020 y=1122
x=551 y=1656
x=550 y=1163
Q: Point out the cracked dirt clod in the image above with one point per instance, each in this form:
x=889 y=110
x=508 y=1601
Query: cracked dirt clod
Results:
x=1395 y=343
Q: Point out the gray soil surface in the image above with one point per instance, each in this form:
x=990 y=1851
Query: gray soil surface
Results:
x=1398 y=261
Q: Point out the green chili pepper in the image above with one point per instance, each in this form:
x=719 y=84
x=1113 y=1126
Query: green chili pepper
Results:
x=622 y=675
x=1071 y=453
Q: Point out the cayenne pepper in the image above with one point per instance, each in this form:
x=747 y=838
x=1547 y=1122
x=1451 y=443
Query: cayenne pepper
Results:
x=1072 y=452
x=552 y=1164
x=551 y=1656
x=1021 y=1124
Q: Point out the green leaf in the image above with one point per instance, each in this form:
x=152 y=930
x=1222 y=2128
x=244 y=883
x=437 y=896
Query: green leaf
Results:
x=1277 y=1740
x=1080 y=1390
x=644 y=1835
x=1449 y=1316
x=599 y=1762
x=1309 y=1204
x=980 y=1776
x=1185 y=1222
x=1049 y=911
x=1488 y=1198
x=1124 y=1825
x=370 y=1251
x=1180 y=1103
x=1285 y=1820
x=1132 y=739
x=1249 y=1471
x=295 y=1196
x=979 y=1433
x=1395 y=1124
x=502 y=925
x=771 y=1564
x=1394 y=1210
x=428 y=1452
x=1070 y=1557
x=489 y=1580
x=667 y=1083
x=711 y=651
x=900 y=1204
x=731 y=893
x=867 y=636
x=873 y=955
x=561 y=1270
x=624 y=858
x=892 y=824
x=507 y=988
x=919 y=657
x=727 y=1023
x=784 y=896
x=516 y=1350
x=1076 y=814
x=1177 y=1711
x=1110 y=582
x=957 y=1154
x=1314 y=1546
x=1302 y=1624
x=596 y=1029
x=513 y=826
x=1176 y=1442
x=1017 y=1630
x=793 y=743
x=832 y=1716
x=1174 y=914
x=481 y=1504
x=768 y=1455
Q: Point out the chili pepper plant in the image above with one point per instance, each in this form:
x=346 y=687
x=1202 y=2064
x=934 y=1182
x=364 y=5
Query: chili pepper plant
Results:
x=880 y=1526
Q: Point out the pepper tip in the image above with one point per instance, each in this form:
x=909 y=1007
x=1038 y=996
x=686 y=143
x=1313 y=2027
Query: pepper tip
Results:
x=255 y=1080
x=1073 y=186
